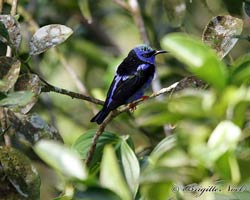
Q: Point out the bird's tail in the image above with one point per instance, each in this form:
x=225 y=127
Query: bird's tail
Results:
x=99 y=117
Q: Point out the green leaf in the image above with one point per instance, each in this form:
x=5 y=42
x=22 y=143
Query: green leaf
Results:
x=84 y=7
x=130 y=166
x=157 y=191
x=82 y=145
x=167 y=144
x=9 y=72
x=48 y=37
x=19 y=178
x=95 y=193
x=111 y=176
x=17 y=99
x=240 y=71
x=225 y=137
x=191 y=103
x=220 y=33
x=61 y=158
x=200 y=59
x=29 y=82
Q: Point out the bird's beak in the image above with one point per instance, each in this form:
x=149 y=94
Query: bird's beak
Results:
x=159 y=51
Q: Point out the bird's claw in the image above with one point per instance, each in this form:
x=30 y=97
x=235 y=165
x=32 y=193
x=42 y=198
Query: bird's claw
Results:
x=132 y=107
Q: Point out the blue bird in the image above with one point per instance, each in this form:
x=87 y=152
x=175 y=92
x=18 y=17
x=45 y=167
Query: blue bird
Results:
x=133 y=76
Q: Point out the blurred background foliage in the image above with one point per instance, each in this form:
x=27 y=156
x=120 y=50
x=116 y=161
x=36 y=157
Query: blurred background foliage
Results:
x=192 y=136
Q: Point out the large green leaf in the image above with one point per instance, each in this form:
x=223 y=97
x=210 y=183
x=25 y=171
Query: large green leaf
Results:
x=162 y=147
x=224 y=138
x=111 y=176
x=61 y=158
x=82 y=145
x=130 y=166
x=200 y=59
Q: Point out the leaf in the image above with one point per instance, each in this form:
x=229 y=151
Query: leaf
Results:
x=175 y=11
x=61 y=158
x=17 y=99
x=19 y=178
x=157 y=191
x=130 y=166
x=111 y=176
x=162 y=147
x=200 y=59
x=9 y=71
x=240 y=71
x=246 y=6
x=224 y=137
x=191 y=103
x=95 y=193
x=29 y=82
x=4 y=32
x=82 y=145
x=13 y=28
x=84 y=7
x=220 y=33
x=47 y=37
x=29 y=129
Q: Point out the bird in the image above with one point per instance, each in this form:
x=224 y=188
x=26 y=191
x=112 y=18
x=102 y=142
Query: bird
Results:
x=133 y=76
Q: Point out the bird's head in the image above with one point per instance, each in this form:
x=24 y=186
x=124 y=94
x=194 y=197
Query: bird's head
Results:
x=146 y=54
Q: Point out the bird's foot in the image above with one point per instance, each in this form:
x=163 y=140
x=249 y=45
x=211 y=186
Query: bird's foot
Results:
x=132 y=107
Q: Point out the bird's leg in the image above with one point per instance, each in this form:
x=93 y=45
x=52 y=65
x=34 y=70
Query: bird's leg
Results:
x=144 y=97
x=132 y=106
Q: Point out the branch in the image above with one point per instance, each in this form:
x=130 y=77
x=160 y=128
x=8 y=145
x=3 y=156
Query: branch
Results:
x=50 y=88
x=98 y=133
x=182 y=84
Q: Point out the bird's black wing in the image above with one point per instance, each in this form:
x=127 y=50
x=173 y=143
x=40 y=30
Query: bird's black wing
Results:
x=125 y=89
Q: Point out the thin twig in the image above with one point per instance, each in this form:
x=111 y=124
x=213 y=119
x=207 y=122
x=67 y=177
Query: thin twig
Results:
x=13 y=7
x=1 y=6
x=80 y=86
x=184 y=83
x=5 y=127
x=136 y=13
x=78 y=83
x=123 y=4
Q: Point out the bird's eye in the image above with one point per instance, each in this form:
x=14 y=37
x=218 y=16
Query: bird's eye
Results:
x=147 y=55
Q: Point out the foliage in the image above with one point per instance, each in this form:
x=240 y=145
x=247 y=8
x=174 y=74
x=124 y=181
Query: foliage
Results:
x=190 y=143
